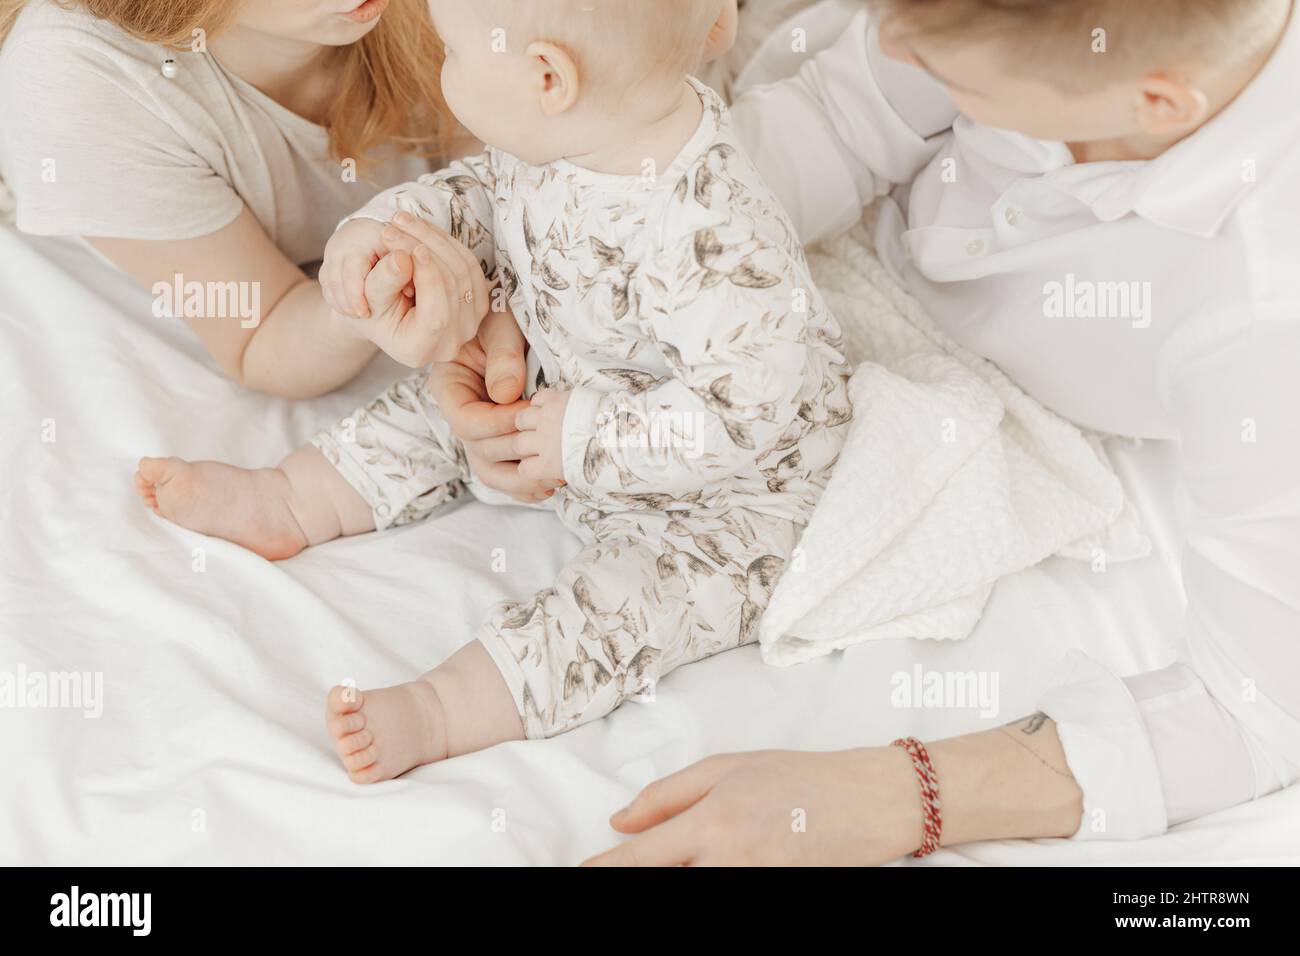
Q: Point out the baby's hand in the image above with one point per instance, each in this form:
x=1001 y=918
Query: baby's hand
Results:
x=349 y=256
x=391 y=325
x=541 y=438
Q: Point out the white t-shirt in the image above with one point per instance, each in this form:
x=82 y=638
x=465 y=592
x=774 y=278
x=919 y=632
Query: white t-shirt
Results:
x=1022 y=255
x=96 y=141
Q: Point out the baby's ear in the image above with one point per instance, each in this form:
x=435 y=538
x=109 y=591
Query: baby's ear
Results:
x=555 y=77
x=722 y=35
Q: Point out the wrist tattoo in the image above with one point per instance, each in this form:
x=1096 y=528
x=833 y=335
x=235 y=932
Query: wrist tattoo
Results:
x=1030 y=726
x=1034 y=724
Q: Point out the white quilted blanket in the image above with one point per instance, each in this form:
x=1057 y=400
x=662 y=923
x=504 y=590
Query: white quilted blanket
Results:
x=951 y=478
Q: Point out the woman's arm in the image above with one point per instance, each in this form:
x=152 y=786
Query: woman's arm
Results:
x=850 y=807
x=294 y=346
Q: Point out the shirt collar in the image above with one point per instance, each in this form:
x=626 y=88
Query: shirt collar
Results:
x=1195 y=185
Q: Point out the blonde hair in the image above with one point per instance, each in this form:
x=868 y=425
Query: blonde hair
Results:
x=389 y=93
x=1065 y=36
x=619 y=41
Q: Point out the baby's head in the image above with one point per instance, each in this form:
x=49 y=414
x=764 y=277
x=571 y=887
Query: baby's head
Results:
x=533 y=76
x=1083 y=71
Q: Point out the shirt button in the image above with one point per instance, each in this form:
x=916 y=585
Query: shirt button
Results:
x=382 y=511
x=1013 y=216
x=975 y=247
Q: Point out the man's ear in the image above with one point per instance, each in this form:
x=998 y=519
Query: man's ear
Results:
x=555 y=77
x=1166 y=106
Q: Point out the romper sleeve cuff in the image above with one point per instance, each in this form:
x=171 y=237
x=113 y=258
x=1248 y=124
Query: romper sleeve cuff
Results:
x=579 y=428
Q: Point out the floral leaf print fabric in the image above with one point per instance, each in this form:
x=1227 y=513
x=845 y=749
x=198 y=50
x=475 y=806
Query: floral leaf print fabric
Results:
x=708 y=405
x=399 y=454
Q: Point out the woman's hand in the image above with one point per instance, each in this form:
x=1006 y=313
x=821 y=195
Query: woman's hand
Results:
x=479 y=395
x=479 y=391
x=775 y=808
x=446 y=297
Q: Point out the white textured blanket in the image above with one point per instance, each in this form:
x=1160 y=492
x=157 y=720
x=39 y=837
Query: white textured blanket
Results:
x=951 y=478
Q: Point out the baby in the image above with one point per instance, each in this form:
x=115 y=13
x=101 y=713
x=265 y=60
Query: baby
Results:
x=688 y=391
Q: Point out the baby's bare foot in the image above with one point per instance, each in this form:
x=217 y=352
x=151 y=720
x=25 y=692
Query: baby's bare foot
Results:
x=250 y=508
x=381 y=734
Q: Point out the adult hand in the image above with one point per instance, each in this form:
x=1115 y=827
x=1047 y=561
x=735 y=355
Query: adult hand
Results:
x=775 y=808
x=450 y=293
x=851 y=807
x=482 y=415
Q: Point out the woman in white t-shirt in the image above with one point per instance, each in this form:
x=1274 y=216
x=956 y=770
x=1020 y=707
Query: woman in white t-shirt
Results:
x=215 y=142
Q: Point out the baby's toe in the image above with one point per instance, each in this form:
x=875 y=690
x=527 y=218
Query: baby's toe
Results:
x=371 y=774
x=146 y=490
x=155 y=471
x=344 y=700
x=343 y=725
x=354 y=743
x=356 y=762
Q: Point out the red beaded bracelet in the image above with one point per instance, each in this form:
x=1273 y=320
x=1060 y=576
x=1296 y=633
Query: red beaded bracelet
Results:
x=932 y=821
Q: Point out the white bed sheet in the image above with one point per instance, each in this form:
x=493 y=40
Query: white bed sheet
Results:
x=211 y=747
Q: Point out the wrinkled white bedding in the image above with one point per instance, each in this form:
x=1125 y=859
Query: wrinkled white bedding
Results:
x=210 y=747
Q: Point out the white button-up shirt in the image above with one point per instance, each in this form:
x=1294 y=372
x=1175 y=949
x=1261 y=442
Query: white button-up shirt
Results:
x=1156 y=299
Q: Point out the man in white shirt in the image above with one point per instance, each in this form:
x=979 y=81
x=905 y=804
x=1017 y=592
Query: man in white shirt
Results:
x=1102 y=198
